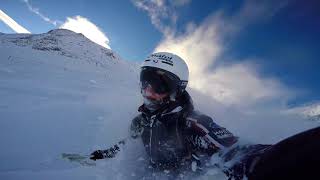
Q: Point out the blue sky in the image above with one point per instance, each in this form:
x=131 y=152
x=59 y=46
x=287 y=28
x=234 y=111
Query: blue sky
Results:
x=273 y=45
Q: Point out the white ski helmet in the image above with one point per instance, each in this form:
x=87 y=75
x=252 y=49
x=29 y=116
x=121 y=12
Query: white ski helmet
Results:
x=170 y=63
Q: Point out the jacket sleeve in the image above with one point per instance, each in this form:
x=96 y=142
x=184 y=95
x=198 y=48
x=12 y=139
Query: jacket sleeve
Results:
x=136 y=127
x=135 y=130
x=207 y=136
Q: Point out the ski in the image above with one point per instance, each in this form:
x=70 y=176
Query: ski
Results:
x=78 y=158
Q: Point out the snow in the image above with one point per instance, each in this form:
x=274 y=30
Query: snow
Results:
x=308 y=111
x=61 y=93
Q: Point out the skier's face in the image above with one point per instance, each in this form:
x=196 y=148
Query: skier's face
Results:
x=156 y=86
x=151 y=99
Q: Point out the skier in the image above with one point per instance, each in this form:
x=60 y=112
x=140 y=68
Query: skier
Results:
x=178 y=137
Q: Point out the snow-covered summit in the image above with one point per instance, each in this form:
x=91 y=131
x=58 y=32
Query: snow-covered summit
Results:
x=63 y=32
x=63 y=42
x=308 y=111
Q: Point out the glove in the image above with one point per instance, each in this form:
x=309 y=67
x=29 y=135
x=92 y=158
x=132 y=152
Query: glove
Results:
x=98 y=154
x=102 y=154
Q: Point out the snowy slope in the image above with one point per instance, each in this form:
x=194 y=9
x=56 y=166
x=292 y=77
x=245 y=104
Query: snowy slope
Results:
x=62 y=93
x=59 y=93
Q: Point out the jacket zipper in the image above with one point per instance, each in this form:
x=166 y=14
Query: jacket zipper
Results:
x=152 y=120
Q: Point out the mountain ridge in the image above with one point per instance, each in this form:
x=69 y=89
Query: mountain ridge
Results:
x=63 y=42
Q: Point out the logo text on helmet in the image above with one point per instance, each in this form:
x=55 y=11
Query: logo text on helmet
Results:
x=164 y=59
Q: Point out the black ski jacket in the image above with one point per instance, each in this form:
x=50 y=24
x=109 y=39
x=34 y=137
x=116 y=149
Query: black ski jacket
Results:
x=176 y=133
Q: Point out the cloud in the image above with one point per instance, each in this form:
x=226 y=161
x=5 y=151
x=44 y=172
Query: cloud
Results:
x=235 y=84
x=239 y=83
x=77 y=24
x=12 y=23
x=203 y=45
x=82 y=25
x=37 y=12
x=161 y=12
x=180 y=2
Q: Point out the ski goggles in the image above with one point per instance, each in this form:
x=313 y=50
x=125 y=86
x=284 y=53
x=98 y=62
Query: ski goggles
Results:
x=149 y=93
x=157 y=81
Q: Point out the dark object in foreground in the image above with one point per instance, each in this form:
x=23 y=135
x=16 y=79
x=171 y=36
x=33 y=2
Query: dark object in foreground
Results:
x=297 y=156
x=108 y=153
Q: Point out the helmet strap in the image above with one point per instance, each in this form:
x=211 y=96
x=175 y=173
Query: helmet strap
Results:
x=177 y=93
x=173 y=96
